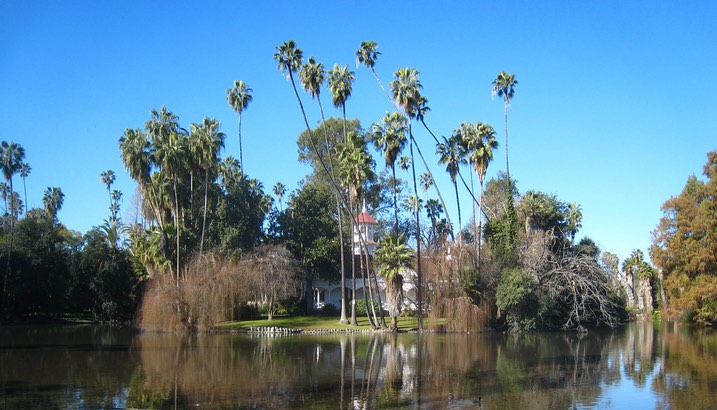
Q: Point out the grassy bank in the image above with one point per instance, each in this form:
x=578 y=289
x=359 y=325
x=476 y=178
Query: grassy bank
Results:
x=322 y=323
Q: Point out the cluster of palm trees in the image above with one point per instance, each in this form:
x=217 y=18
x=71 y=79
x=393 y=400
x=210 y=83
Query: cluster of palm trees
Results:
x=172 y=167
x=348 y=167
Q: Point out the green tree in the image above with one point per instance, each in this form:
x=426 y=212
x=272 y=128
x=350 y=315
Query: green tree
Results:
x=575 y=220
x=449 y=153
x=205 y=142
x=24 y=173
x=406 y=91
x=279 y=190
x=53 y=198
x=355 y=168
x=504 y=86
x=172 y=156
x=367 y=54
x=392 y=256
x=684 y=249
x=11 y=157
x=390 y=137
x=239 y=98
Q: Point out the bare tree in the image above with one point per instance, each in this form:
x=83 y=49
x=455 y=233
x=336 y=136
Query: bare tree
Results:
x=579 y=288
x=275 y=275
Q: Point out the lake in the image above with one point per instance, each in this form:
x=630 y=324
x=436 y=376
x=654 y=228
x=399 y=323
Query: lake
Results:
x=642 y=365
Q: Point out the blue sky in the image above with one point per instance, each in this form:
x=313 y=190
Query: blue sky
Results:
x=614 y=108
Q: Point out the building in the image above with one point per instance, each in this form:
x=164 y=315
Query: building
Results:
x=329 y=292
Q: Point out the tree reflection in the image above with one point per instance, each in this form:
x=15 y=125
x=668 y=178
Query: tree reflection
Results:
x=59 y=367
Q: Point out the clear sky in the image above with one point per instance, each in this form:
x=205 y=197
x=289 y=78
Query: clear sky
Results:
x=614 y=109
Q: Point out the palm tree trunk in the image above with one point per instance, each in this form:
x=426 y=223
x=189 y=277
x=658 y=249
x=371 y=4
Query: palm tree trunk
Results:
x=419 y=276
x=368 y=299
x=241 y=157
x=438 y=191
x=353 y=274
x=378 y=290
x=12 y=239
x=480 y=222
x=204 y=220
x=343 y=319
x=507 y=168
x=395 y=199
x=176 y=221
x=24 y=188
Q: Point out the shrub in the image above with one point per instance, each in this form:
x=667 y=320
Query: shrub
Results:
x=361 y=307
x=516 y=297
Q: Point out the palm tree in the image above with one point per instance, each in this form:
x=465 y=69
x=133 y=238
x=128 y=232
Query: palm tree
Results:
x=449 y=152
x=341 y=84
x=406 y=90
x=279 y=191
x=205 y=142
x=11 y=157
x=312 y=76
x=53 y=200
x=480 y=142
x=367 y=55
x=390 y=136
x=229 y=171
x=239 y=98
x=24 y=173
x=504 y=86
x=355 y=167
x=393 y=255
x=433 y=211
x=108 y=178
x=172 y=157
x=575 y=220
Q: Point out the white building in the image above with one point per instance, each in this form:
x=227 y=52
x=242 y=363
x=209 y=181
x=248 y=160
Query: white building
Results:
x=329 y=292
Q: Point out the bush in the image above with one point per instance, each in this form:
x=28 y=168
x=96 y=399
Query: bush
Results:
x=516 y=297
x=361 y=307
x=329 y=310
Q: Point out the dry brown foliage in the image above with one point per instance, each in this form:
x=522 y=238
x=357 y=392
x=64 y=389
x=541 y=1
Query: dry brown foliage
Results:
x=209 y=292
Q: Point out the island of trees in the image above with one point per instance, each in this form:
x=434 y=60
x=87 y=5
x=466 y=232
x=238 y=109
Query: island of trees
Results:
x=207 y=243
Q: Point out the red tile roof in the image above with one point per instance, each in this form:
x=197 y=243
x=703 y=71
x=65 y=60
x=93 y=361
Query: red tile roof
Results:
x=365 y=218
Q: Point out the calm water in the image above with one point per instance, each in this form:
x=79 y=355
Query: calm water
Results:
x=640 y=366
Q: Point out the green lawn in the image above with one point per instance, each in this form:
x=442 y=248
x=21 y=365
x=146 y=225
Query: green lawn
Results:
x=320 y=323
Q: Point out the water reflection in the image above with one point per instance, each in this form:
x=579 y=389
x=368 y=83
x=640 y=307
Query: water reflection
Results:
x=94 y=367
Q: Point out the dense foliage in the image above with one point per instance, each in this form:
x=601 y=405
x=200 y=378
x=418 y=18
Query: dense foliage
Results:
x=685 y=247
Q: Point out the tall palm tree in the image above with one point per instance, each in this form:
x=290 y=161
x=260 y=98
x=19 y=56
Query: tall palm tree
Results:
x=406 y=90
x=575 y=220
x=392 y=256
x=312 y=76
x=53 y=199
x=367 y=55
x=239 y=98
x=340 y=81
x=137 y=158
x=11 y=157
x=355 y=167
x=108 y=178
x=449 y=152
x=205 y=142
x=24 y=173
x=341 y=84
x=504 y=86
x=229 y=171
x=279 y=191
x=172 y=157
x=480 y=142
x=390 y=137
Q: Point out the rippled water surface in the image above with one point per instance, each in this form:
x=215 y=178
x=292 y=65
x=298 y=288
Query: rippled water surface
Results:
x=639 y=366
